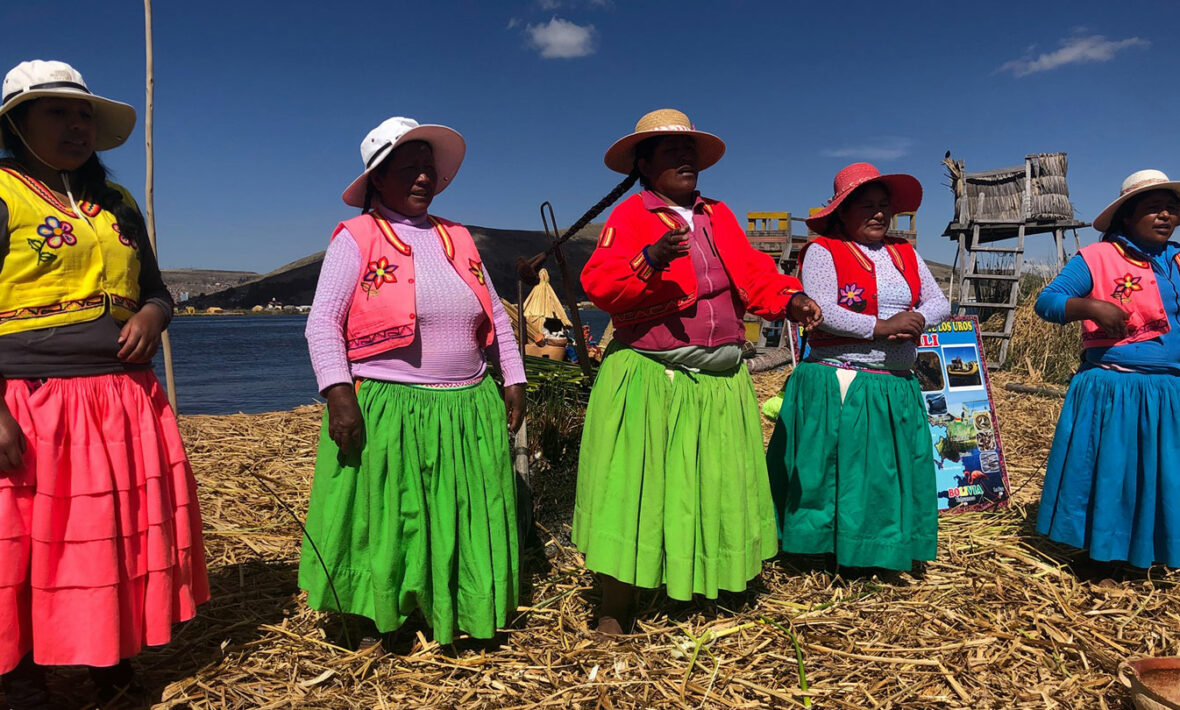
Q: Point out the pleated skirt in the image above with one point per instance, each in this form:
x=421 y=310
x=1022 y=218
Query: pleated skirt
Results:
x=422 y=517
x=672 y=487
x=100 y=533
x=1112 y=483
x=854 y=477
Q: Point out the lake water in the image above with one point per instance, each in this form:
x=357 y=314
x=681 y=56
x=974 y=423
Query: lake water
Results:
x=252 y=363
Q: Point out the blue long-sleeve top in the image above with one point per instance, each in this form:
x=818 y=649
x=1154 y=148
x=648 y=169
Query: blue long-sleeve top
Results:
x=1157 y=355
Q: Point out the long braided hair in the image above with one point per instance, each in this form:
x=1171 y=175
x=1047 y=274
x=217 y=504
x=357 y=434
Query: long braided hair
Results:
x=644 y=150
x=92 y=177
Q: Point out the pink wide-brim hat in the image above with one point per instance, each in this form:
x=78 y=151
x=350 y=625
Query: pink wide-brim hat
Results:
x=620 y=157
x=905 y=192
x=1137 y=182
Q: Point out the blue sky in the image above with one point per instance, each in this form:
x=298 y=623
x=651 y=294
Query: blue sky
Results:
x=260 y=107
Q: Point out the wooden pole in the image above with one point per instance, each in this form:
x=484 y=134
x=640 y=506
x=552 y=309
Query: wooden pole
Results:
x=149 y=183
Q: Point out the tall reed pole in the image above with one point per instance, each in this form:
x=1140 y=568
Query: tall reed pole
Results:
x=149 y=183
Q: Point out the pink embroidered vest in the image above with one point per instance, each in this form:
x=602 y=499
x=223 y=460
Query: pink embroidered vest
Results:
x=1121 y=278
x=382 y=314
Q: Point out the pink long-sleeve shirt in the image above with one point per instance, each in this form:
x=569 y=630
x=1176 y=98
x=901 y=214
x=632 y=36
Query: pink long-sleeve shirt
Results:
x=444 y=350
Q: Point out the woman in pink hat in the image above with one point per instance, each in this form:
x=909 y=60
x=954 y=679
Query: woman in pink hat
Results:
x=100 y=536
x=851 y=462
x=413 y=506
x=672 y=487
x=1114 y=469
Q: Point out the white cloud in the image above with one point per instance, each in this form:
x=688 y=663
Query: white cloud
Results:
x=513 y=22
x=562 y=39
x=1075 y=50
x=887 y=148
x=548 y=5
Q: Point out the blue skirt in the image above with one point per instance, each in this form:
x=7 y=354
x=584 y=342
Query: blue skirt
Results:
x=1112 y=484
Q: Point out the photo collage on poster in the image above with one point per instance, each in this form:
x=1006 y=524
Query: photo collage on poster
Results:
x=968 y=458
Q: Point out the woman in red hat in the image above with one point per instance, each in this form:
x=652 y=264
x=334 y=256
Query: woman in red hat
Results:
x=672 y=485
x=851 y=462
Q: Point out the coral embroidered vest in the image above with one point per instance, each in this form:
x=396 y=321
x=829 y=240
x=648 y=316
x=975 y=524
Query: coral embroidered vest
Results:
x=382 y=314
x=61 y=267
x=1127 y=280
x=856 y=279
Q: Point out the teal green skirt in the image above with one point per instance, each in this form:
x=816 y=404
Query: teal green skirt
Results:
x=854 y=478
x=672 y=484
x=422 y=517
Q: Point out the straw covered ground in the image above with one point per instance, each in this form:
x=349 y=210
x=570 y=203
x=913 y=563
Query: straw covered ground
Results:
x=999 y=620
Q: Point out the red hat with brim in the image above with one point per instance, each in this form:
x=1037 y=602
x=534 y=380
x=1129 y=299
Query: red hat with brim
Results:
x=905 y=192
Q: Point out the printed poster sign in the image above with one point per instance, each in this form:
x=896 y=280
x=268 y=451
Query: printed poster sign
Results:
x=968 y=457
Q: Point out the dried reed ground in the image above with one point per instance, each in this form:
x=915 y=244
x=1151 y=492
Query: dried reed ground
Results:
x=996 y=621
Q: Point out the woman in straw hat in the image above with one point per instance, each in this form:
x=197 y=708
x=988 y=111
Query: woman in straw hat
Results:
x=100 y=537
x=851 y=461
x=672 y=486
x=1112 y=475
x=414 y=500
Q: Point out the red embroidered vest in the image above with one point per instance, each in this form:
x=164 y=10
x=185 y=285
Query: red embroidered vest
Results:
x=856 y=279
x=382 y=314
x=1122 y=278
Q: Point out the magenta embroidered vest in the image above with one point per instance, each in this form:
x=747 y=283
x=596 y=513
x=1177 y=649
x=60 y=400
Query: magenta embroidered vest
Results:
x=1121 y=278
x=382 y=314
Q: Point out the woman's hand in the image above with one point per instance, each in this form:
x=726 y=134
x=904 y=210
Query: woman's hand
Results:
x=673 y=245
x=907 y=325
x=345 y=423
x=12 y=443
x=140 y=336
x=805 y=311
x=514 y=402
x=1108 y=316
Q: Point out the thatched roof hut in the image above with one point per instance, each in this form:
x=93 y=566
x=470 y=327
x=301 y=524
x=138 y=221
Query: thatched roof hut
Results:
x=1036 y=191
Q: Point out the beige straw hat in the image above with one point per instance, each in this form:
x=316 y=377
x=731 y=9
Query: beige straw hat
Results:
x=620 y=157
x=1136 y=182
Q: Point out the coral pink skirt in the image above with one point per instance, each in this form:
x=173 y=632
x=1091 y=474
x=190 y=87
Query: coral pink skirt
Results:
x=100 y=535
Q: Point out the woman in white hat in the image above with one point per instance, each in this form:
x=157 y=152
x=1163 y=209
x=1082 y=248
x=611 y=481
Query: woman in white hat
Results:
x=414 y=500
x=1114 y=468
x=851 y=461
x=672 y=487
x=100 y=537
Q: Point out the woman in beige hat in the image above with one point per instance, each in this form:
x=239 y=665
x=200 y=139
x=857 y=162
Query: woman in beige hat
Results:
x=672 y=487
x=1114 y=469
x=851 y=461
x=414 y=501
x=100 y=537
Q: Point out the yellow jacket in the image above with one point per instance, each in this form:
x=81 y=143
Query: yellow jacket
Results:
x=62 y=267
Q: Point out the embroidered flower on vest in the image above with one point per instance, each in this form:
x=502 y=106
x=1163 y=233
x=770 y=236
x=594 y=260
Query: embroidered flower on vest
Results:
x=57 y=233
x=1124 y=286
x=851 y=297
x=123 y=239
x=380 y=272
x=476 y=269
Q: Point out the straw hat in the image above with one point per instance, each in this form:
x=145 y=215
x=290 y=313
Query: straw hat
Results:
x=1136 y=182
x=38 y=79
x=620 y=157
x=905 y=192
x=446 y=143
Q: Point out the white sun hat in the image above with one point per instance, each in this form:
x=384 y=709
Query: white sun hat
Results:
x=446 y=143
x=1136 y=182
x=38 y=79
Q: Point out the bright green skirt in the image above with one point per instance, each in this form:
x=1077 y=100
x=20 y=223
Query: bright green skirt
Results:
x=854 y=478
x=423 y=517
x=672 y=485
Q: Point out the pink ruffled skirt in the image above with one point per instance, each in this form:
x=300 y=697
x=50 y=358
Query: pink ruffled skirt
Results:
x=100 y=534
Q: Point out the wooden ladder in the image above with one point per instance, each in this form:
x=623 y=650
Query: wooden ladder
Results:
x=971 y=277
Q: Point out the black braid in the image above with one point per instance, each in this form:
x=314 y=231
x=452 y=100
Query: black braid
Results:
x=611 y=197
x=369 y=192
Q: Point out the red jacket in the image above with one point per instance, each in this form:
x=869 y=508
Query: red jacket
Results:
x=619 y=280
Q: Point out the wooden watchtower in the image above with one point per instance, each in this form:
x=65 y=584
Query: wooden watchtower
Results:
x=995 y=211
